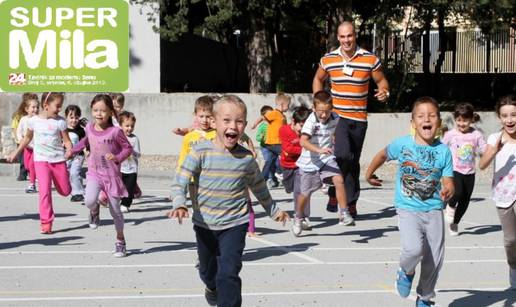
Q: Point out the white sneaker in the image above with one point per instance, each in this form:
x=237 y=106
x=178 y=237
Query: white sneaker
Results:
x=297 y=227
x=449 y=215
x=454 y=230
x=345 y=218
x=512 y=278
x=124 y=209
x=279 y=176
x=305 y=224
x=120 y=250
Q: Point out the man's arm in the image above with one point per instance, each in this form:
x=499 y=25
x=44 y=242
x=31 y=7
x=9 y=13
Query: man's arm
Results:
x=383 y=85
x=318 y=83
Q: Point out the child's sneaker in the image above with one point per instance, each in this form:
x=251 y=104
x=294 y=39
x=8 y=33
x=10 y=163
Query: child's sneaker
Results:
x=297 y=228
x=77 y=198
x=120 y=250
x=449 y=215
x=211 y=296
x=353 y=209
x=94 y=220
x=421 y=303
x=345 y=218
x=454 y=229
x=271 y=184
x=305 y=224
x=404 y=283
x=124 y=209
x=332 y=205
x=31 y=189
x=512 y=278
x=46 y=228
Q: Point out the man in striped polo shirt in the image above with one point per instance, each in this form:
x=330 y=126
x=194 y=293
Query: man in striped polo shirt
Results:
x=350 y=69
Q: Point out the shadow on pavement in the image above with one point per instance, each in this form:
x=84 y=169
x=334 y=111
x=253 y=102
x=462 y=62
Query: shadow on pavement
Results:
x=505 y=298
x=254 y=254
x=32 y=216
x=45 y=242
x=172 y=246
x=480 y=230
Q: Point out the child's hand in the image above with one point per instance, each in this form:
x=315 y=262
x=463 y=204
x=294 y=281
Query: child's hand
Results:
x=374 y=180
x=326 y=151
x=110 y=157
x=180 y=213
x=11 y=158
x=254 y=154
x=180 y=131
x=446 y=193
x=68 y=154
x=283 y=217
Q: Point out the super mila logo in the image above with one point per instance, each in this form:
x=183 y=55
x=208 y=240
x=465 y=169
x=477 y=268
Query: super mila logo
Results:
x=65 y=45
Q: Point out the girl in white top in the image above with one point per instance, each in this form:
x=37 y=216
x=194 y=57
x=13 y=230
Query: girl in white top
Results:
x=501 y=147
x=31 y=108
x=129 y=167
x=48 y=130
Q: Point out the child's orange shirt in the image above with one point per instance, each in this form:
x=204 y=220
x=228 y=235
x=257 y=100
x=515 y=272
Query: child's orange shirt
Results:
x=276 y=119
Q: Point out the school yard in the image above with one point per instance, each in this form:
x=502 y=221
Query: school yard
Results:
x=331 y=265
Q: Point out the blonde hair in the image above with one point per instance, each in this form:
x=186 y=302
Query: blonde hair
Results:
x=282 y=97
x=230 y=99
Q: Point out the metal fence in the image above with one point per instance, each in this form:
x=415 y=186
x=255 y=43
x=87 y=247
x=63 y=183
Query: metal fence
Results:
x=467 y=51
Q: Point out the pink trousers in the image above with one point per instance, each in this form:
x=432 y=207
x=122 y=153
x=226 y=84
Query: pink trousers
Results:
x=28 y=161
x=46 y=173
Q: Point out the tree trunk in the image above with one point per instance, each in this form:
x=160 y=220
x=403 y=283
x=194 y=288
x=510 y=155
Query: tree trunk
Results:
x=337 y=14
x=426 y=52
x=442 y=52
x=259 y=61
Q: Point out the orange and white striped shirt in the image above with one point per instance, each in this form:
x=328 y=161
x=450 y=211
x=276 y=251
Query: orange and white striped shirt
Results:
x=350 y=81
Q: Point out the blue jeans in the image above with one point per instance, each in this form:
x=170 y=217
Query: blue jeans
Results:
x=220 y=261
x=271 y=157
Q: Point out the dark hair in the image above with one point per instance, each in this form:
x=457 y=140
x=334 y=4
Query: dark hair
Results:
x=322 y=97
x=118 y=97
x=509 y=100
x=48 y=97
x=300 y=114
x=73 y=109
x=107 y=100
x=26 y=97
x=204 y=103
x=423 y=100
x=466 y=111
x=126 y=115
x=265 y=109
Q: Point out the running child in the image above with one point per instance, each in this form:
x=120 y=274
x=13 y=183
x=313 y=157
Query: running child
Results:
x=317 y=164
x=501 y=148
x=76 y=133
x=424 y=181
x=15 y=122
x=464 y=142
x=129 y=167
x=108 y=148
x=31 y=108
x=290 y=151
x=48 y=130
x=224 y=171
x=272 y=148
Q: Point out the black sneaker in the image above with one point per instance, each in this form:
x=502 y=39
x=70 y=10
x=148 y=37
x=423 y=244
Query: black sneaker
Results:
x=332 y=205
x=211 y=296
x=77 y=198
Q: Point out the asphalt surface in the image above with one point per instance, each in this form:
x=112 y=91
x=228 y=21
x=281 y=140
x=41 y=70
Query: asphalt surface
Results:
x=331 y=265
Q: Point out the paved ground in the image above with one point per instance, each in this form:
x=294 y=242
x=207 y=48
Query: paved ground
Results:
x=331 y=265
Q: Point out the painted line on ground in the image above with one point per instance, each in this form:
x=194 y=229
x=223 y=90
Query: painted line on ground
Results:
x=181 y=265
x=191 y=296
x=287 y=250
x=395 y=248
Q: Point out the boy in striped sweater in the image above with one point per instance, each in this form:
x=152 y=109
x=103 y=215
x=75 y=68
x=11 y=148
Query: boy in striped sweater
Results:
x=224 y=170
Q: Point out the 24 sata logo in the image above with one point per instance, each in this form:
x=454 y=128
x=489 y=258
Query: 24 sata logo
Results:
x=64 y=45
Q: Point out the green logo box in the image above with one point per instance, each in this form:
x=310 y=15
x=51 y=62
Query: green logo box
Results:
x=64 y=45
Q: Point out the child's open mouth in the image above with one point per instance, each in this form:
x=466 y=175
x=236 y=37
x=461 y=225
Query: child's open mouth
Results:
x=427 y=127
x=232 y=136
